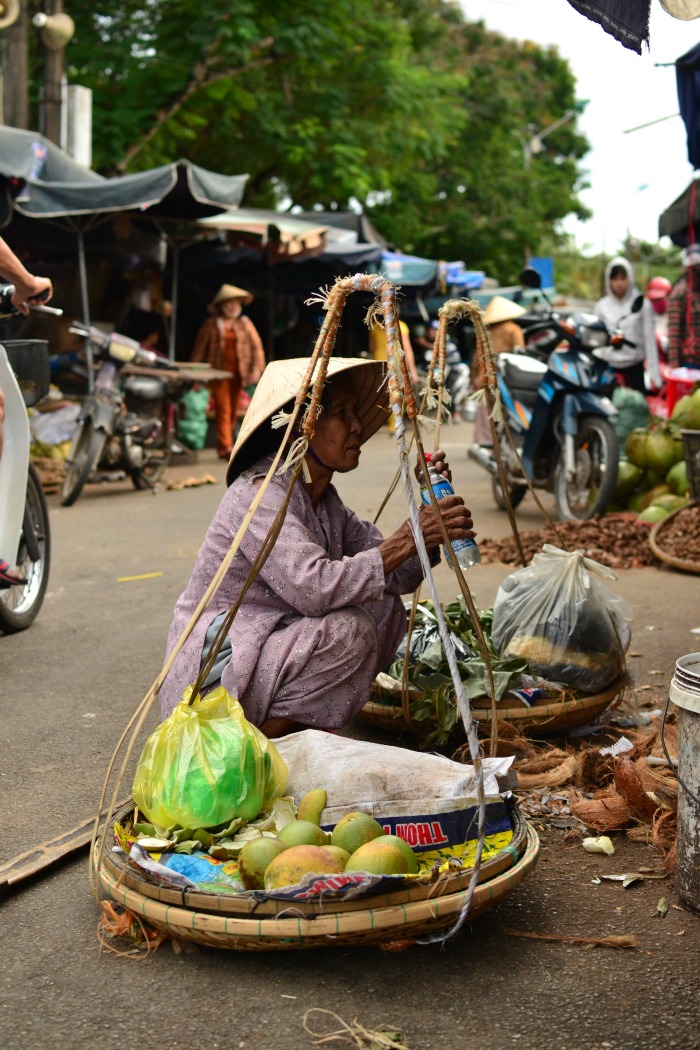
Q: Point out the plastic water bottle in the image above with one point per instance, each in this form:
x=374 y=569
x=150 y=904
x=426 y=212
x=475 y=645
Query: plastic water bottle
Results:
x=465 y=551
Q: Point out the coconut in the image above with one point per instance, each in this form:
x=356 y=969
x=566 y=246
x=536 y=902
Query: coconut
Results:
x=651 y=515
x=652 y=494
x=682 y=411
x=652 y=479
x=677 y=479
x=636 y=502
x=663 y=449
x=669 y=502
x=629 y=477
x=636 y=446
x=694 y=410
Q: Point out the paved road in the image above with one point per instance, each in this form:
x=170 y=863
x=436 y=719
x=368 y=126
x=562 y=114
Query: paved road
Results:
x=70 y=683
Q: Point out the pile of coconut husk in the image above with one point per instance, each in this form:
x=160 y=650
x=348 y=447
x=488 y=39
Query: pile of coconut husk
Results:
x=617 y=540
x=627 y=786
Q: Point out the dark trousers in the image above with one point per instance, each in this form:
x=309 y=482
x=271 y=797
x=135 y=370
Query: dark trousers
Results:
x=632 y=377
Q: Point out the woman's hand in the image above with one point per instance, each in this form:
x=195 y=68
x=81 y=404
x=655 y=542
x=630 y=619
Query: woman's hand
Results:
x=440 y=464
x=457 y=519
x=401 y=546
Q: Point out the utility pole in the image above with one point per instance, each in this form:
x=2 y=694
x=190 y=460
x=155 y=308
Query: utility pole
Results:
x=15 y=69
x=52 y=96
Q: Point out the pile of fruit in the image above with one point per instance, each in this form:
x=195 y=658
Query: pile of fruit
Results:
x=358 y=843
x=652 y=478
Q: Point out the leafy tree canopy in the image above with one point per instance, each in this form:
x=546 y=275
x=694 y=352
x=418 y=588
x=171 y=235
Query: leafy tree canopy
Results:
x=400 y=106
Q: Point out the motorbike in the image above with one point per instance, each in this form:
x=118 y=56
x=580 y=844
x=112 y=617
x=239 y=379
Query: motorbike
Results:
x=123 y=428
x=25 y=535
x=555 y=400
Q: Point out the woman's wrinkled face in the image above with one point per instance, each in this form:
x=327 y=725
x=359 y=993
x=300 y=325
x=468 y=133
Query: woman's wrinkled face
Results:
x=339 y=431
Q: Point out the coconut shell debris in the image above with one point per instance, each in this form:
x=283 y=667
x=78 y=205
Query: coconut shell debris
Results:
x=616 y=540
x=636 y=792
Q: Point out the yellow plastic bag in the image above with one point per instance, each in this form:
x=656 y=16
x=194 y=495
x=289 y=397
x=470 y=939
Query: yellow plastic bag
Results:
x=205 y=765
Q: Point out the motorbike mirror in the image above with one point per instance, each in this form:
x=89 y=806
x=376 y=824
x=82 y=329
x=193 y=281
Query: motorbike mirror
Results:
x=530 y=278
x=637 y=304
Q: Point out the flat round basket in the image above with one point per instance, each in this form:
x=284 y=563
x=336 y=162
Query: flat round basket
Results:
x=656 y=542
x=245 y=905
x=545 y=718
x=380 y=923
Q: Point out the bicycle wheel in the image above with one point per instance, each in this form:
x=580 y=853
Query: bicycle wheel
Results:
x=19 y=605
x=85 y=456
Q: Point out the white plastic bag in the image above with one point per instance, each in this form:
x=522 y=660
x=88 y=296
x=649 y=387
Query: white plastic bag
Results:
x=559 y=615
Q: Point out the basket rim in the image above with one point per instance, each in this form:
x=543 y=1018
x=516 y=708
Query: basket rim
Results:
x=330 y=928
x=536 y=716
x=245 y=905
x=661 y=554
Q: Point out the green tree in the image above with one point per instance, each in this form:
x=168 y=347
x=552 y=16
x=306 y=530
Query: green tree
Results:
x=398 y=105
x=489 y=203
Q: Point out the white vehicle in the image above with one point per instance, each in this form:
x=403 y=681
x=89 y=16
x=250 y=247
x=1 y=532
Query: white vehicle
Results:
x=25 y=539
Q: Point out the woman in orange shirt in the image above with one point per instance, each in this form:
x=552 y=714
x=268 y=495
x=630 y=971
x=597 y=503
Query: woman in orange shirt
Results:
x=229 y=341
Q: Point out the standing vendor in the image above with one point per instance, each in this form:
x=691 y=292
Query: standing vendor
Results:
x=324 y=615
x=229 y=341
x=504 y=335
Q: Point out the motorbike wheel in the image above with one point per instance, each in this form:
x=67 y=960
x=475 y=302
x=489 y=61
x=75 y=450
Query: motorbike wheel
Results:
x=591 y=491
x=516 y=492
x=20 y=605
x=85 y=457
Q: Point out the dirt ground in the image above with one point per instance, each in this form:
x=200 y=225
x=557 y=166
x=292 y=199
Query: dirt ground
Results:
x=69 y=685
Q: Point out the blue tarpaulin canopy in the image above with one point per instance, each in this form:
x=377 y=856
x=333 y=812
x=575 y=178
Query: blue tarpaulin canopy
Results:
x=408 y=269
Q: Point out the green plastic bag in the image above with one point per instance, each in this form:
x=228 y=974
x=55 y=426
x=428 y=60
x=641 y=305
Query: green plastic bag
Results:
x=205 y=765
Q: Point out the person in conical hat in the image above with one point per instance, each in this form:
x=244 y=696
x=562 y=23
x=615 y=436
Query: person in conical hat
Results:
x=504 y=335
x=229 y=341
x=325 y=614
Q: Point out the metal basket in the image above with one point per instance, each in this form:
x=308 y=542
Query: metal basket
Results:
x=691 y=447
x=29 y=360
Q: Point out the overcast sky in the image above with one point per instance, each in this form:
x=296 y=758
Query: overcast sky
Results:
x=633 y=176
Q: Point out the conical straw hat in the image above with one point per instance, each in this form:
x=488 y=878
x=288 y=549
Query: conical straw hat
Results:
x=501 y=309
x=279 y=384
x=229 y=291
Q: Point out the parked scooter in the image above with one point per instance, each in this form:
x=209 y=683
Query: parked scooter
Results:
x=558 y=414
x=121 y=428
x=25 y=537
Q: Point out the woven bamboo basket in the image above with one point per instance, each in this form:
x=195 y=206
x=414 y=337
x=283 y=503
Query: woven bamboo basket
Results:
x=379 y=924
x=545 y=718
x=656 y=541
x=244 y=905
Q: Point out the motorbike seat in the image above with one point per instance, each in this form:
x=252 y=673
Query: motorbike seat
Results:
x=523 y=374
x=146 y=388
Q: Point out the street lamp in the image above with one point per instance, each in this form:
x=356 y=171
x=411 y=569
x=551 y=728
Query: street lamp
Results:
x=533 y=144
x=56 y=29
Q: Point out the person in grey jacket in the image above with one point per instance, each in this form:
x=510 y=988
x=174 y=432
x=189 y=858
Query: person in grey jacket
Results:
x=615 y=309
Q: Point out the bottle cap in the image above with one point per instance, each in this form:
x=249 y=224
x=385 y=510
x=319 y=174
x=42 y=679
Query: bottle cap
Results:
x=428 y=457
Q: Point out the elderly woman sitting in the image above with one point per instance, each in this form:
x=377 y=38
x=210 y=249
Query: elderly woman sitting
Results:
x=324 y=615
